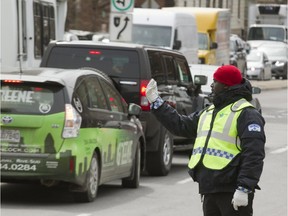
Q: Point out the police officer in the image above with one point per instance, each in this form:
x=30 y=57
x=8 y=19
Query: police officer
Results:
x=228 y=153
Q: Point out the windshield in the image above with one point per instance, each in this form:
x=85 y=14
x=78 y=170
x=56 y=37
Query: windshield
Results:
x=152 y=35
x=203 y=41
x=267 y=33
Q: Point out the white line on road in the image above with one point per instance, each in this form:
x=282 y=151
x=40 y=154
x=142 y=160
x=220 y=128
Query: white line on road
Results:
x=184 y=181
x=280 y=150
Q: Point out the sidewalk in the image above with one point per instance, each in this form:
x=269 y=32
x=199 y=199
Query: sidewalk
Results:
x=269 y=84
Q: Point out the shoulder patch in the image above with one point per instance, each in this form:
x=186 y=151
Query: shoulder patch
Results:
x=254 y=127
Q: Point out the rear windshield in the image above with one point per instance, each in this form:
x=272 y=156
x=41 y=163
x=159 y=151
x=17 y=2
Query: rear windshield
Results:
x=115 y=63
x=31 y=98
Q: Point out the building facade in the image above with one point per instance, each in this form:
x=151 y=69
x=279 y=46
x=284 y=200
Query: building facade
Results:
x=93 y=15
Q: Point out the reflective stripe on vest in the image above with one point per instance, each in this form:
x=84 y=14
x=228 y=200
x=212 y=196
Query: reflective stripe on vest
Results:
x=222 y=141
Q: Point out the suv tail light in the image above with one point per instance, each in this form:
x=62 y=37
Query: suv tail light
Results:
x=144 y=103
x=72 y=122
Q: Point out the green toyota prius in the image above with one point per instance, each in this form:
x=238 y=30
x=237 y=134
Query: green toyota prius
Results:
x=68 y=126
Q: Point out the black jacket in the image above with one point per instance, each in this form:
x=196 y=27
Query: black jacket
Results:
x=245 y=170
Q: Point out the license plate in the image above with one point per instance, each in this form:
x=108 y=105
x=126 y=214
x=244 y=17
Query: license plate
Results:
x=10 y=135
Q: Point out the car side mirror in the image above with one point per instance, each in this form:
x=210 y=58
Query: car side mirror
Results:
x=214 y=45
x=134 y=109
x=200 y=80
x=256 y=90
x=177 y=44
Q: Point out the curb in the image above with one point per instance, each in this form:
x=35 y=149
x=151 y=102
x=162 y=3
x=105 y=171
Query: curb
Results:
x=269 y=84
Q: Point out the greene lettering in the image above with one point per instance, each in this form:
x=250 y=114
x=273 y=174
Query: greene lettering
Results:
x=17 y=96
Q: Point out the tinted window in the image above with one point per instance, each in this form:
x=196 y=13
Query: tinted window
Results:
x=156 y=66
x=170 y=68
x=96 y=95
x=117 y=63
x=31 y=98
x=183 y=70
x=116 y=102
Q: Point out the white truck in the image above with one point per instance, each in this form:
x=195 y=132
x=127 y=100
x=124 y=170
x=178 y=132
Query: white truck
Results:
x=267 y=22
x=27 y=27
x=213 y=27
x=173 y=30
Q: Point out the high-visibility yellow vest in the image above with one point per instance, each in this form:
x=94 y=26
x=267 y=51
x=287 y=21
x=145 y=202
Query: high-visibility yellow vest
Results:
x=221 y=137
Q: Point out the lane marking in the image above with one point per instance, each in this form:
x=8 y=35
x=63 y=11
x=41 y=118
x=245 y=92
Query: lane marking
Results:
x=184 y=181
x=280 y=150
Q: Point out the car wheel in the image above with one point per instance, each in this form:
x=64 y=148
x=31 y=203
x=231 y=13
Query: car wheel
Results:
x=90 y=187
x=159 y=162
x=133 y=181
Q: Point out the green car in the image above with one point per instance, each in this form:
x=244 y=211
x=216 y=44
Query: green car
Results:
x=68 y=126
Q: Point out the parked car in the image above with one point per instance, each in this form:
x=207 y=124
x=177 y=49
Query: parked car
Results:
x=238 y=53
x=258 y=65
x=68 y=126
x=131 y=66
x=277 y=53
x=208 y=70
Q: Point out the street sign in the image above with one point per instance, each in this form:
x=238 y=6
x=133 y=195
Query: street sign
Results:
x=122 y=5
x=120 y=27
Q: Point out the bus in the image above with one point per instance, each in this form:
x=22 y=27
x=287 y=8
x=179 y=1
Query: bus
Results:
x=27 y=27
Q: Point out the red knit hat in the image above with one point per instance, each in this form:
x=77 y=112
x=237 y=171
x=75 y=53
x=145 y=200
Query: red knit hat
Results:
x=228 y=75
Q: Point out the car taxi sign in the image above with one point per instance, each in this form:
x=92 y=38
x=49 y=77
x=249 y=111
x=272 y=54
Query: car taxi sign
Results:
x=122 y=5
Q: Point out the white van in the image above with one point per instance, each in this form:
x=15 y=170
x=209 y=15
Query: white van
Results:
x=169 y=29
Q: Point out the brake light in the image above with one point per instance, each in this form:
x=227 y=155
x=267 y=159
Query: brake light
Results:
x=38 y=89
x=94 y=52
x=144 y=103
x=13 y=81
x=72 y=122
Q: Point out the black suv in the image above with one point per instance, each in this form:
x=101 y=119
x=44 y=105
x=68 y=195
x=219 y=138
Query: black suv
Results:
x=131 y=66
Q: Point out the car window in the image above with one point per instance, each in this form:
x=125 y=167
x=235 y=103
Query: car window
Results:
x=81 y=92
x=118 y=63
x=31 y=98
x=156 y=66
x=114 y=99
x=170 y=68
x=183 y=70
x=96 y=95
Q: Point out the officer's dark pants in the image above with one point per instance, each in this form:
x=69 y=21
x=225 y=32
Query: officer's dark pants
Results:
x=220 y=204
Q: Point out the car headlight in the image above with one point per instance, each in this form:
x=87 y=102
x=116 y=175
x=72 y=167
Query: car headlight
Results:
x=279 y=64
x=255 y=69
